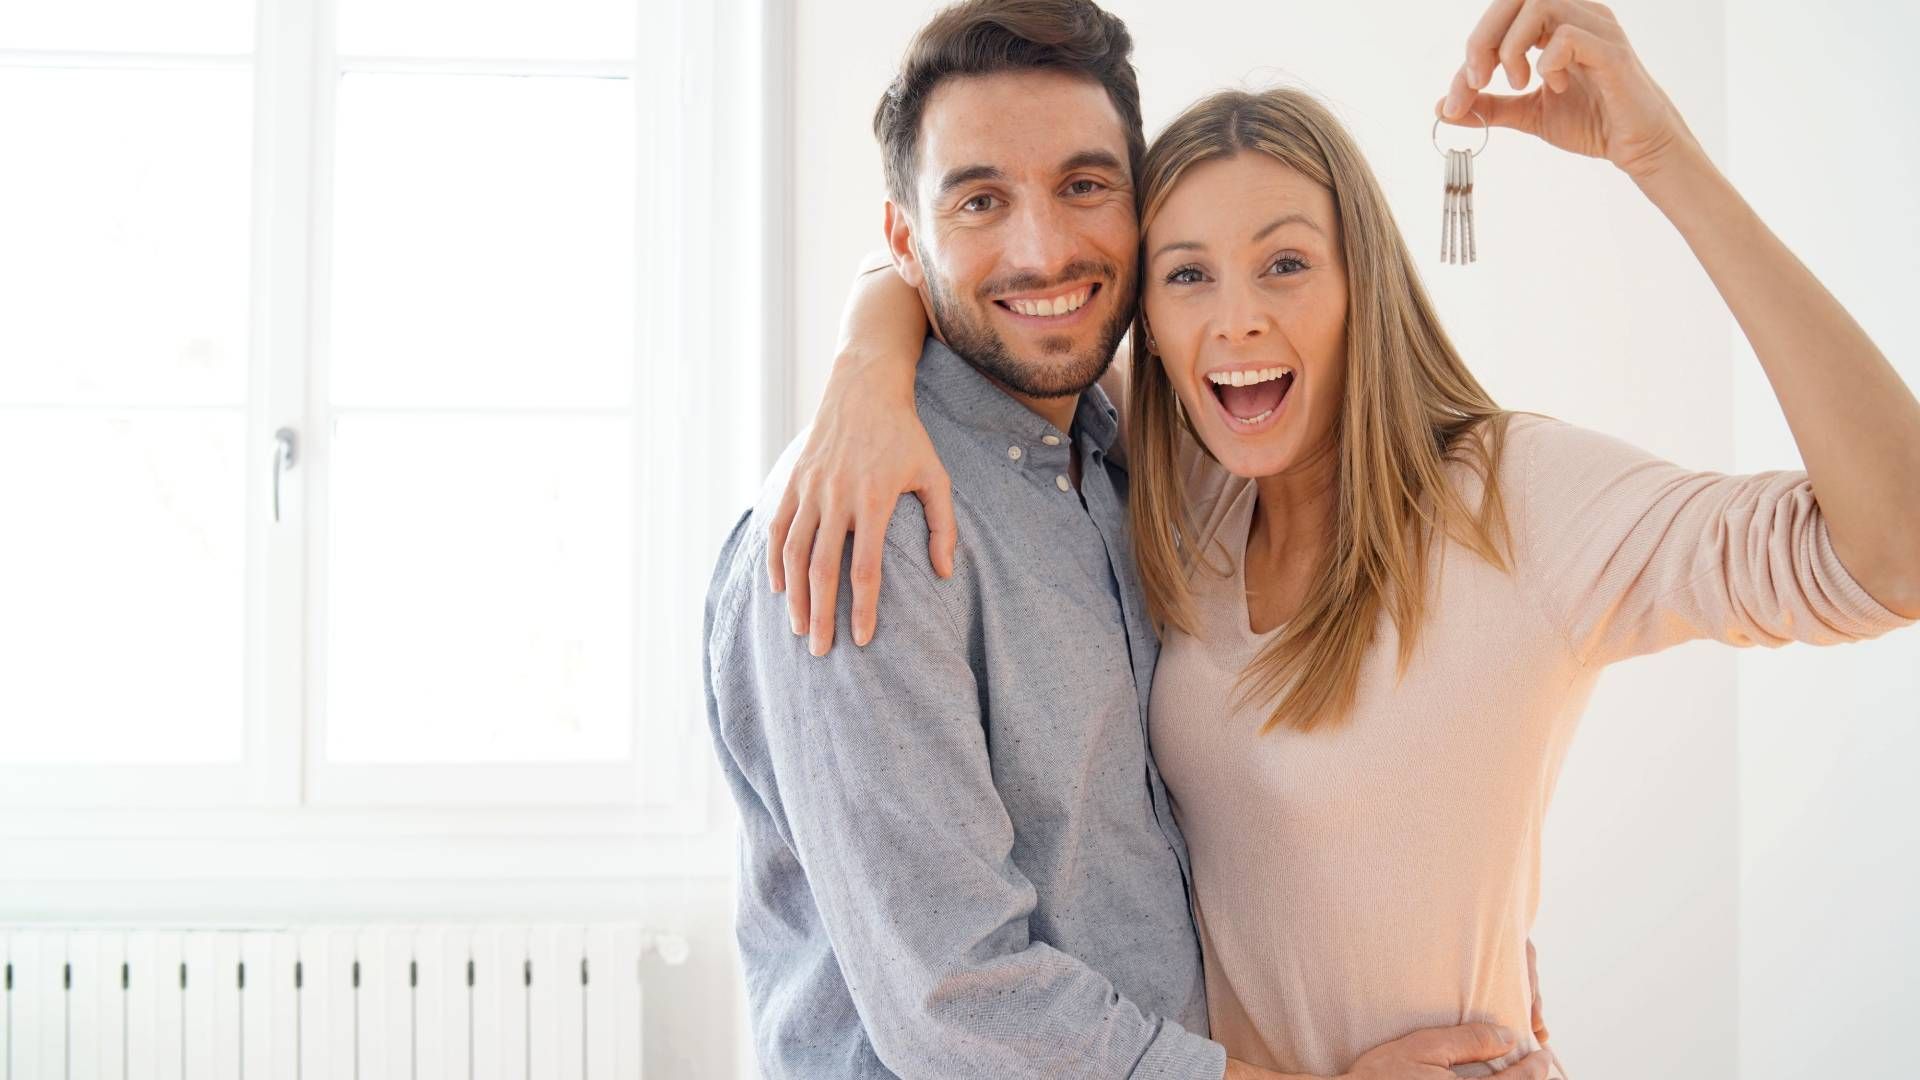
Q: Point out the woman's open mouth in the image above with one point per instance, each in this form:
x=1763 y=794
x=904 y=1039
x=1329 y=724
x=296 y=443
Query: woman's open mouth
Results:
x=1251 y=398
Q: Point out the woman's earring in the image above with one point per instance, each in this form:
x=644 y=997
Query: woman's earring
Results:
x=1456 y=221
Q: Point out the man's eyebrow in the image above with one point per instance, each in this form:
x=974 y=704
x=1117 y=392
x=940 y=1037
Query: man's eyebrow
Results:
x=1085 y=159
x=1262 y=234
x=967 y=174
x=1093 y=159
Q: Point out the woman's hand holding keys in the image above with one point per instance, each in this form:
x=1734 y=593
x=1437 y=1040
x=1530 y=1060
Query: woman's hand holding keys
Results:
x=1597 y=99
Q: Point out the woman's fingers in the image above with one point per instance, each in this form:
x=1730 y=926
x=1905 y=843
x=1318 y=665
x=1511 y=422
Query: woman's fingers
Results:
x=796 y=551
x=869 y=544
x=1520 y=111
x=777 y=537
x=1528 y=29
x=823 y=578
x=1483 y=44
x=1570 y=46
x=1532 y=1067
x=1510 y=28
x=936 y=497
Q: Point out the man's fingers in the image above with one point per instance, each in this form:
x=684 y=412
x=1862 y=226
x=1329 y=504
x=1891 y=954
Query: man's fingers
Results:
x=1460 y=1045
x=1532 y=1067
x=936 y=497
x=795 y=552
x=777 y=537
x=823 y=580
x=869 y=544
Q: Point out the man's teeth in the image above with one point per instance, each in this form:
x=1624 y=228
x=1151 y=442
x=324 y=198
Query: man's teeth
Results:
x=1246 y=378
x=1059 y=305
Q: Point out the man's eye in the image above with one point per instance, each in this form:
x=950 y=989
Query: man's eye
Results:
x=1084 y=187
x=978 y=204
x=1186 y=275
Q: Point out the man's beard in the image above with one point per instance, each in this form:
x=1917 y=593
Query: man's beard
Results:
x=980 y=345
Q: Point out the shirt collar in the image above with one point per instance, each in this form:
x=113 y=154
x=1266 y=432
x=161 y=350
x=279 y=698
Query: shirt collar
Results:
x=957 y=389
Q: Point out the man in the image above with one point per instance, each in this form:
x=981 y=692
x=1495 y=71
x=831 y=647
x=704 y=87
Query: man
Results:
x=958 y=858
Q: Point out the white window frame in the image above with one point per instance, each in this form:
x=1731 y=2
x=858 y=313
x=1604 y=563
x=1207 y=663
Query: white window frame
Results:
x=283 y=812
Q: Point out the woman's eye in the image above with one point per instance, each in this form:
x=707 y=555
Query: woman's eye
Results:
x=1285 y=260
x=1186 y=275
x=978 y=203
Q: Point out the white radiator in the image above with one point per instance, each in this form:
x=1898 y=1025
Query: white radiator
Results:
x=528 y=1002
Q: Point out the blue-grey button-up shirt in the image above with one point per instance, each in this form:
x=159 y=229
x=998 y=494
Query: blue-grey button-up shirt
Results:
x=957 y=857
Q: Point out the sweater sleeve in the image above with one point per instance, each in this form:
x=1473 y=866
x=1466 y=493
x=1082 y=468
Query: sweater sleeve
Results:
x=1632 y=554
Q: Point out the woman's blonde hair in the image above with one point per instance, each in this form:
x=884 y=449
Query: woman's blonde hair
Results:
x=1411 y=406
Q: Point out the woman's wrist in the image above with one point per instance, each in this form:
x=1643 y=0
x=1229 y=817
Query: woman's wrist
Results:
x=873 y=371
x=1683 y=181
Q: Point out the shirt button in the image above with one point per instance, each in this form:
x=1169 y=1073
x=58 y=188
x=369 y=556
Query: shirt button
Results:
x=1062 y=483
x=1013 y=452
x=1050 y=440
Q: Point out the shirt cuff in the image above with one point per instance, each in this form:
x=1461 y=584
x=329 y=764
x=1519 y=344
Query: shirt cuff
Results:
x=1179 y=1054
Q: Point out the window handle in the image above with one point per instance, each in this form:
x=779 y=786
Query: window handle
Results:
x=283 y=458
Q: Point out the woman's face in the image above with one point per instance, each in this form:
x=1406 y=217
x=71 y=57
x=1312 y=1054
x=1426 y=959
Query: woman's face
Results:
x=1244 y=281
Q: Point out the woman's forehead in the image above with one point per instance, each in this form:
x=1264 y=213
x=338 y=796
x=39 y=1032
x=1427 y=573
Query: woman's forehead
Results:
x=1235 y=199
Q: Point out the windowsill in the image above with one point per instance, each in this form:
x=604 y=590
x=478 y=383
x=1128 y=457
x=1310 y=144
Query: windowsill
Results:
x=222 y=854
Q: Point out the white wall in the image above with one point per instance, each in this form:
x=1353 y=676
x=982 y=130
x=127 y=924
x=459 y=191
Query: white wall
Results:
x=1586 y=305
x=1825 y=144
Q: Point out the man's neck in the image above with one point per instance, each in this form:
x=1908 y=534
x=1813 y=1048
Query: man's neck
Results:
x=1057 y=411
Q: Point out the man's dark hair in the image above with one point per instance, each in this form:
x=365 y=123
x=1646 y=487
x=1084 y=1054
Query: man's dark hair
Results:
x=985 y=37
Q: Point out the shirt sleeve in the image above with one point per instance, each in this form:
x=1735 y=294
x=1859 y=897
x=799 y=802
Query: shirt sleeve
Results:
x=1634 y=554
x=878 y=762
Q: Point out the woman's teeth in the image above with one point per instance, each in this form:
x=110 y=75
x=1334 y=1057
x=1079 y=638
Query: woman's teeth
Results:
x=1251 y=396
x=1246 y=378
x=1065 y=304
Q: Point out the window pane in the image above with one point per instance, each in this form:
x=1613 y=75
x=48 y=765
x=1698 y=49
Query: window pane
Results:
x=122 y=569
x=194 y=26
x=124 y=207
x=484 y=243
x=479 y=589
x=528 y=29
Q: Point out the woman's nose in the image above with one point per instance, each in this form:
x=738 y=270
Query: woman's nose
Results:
x=1241 y=317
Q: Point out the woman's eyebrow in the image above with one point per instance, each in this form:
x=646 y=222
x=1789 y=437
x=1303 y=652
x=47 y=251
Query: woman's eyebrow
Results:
x=1287 y=219
x=1295 y=218
x=1177 y=245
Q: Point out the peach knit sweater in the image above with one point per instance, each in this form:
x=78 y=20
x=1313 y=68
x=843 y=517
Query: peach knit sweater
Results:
x=1356 y=883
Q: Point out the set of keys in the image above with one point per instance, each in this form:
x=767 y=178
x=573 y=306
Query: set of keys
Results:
x=1457 y=244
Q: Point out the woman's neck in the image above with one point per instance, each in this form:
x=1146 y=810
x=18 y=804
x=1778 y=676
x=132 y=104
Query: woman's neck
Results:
x=1293 y=518
x=1294 y=513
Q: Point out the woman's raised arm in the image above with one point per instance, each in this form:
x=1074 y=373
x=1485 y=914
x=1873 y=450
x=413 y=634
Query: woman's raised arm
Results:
x=1857 y=425
x=866 y=448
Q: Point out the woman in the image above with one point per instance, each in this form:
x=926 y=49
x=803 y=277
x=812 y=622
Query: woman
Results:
x=1372 y=581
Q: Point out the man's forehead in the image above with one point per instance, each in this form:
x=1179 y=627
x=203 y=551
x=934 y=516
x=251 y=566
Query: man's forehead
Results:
x=1017 y=120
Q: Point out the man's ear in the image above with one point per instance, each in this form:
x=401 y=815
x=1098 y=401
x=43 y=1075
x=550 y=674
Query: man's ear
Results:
x=899 y=226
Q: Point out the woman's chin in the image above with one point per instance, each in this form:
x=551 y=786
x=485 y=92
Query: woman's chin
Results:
x=1252 y=456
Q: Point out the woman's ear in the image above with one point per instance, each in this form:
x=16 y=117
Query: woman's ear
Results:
x=906 y=260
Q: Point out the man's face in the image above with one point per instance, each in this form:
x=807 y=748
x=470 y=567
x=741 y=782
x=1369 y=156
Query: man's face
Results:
x=1024 y=241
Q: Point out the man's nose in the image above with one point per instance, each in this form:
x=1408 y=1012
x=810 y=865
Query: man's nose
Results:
x=1042 y=243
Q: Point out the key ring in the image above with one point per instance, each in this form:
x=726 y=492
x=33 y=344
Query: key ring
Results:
x=1485 y=133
